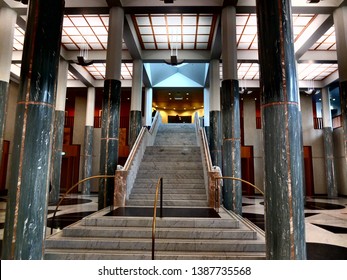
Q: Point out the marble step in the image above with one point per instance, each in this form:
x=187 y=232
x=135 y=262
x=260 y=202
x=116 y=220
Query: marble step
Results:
x=168 y=196
x=166 y=202
x=62 y=242
x=144 y=189
x=80 y=254
x=160 y=141
x=173 y=149
x=151 y=165
x=175 y=127
x=170 y=174
x=191 y=223
x=171 y=158
x=170 y=181
x=161 y=233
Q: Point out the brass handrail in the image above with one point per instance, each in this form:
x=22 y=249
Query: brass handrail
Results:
x=159 y=184
x=70 y=189
x=241 y=180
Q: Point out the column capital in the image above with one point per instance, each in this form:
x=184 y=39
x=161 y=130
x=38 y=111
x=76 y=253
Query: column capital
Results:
x=114 y=3
x=230 y=3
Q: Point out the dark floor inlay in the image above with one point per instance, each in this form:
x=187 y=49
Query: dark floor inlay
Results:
x=72 y=201
x=167 y=212
x=311 y=205
x=247 y=204
x=256 y=219
x=64 y=220
x=333 y=229
x=318 y=251
x=310 y=214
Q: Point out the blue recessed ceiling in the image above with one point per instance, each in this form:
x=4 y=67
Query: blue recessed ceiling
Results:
x=183 y=75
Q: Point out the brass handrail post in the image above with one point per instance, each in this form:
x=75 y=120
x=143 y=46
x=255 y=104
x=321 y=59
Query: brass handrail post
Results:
x=159 y=184
x=161 y=197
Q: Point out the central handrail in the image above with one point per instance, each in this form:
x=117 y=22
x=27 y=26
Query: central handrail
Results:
x=159 y=184
x=70 y=189
x=241 y=180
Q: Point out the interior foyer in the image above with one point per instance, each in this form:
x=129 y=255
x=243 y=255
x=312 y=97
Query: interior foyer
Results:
x=268 y=137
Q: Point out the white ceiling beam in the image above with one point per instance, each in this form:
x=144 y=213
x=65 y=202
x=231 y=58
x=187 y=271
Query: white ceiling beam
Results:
x=312 y=33
x=130 y=38
x=333 y=77
x=82 y=74
x=319 y=57
x=188 y=55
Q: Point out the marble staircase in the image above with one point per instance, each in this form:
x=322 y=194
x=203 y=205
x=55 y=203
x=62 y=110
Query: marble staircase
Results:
x=102 y=237
x=188 y=229
x=176 y=158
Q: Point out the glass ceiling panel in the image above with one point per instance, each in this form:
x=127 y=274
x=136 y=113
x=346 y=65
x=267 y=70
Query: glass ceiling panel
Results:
x=246 y=30
x=306 y=71
x=98 y=70
x=85 y=32
x=326 y=42
x=315 y=71
x=181 y=31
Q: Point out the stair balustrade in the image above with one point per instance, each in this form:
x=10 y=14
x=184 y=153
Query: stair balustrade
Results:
x=125 y=176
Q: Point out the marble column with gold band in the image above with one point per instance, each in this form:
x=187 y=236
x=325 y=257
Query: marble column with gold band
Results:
x=7 y=24
x=330 y=175
x=111 y=107
x=58 y=132
x=230 y=108
x=135 y=123
x=231 y=135
x=88 y=140
x=215 y=115
x=283 y=178
x=26 y=211
x=340 y=24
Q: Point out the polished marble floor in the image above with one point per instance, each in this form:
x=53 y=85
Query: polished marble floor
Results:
x=326 y=220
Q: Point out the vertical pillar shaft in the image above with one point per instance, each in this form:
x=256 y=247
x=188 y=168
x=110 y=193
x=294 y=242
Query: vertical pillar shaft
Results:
x=27 y=204
x=215 y=115
x=231 y=133
x=111 y=107
x=328 y=145
x=88 y=140
x=340 y=24
x=7 y=24
x=136 y=101
x=207 y=111
x=283 y=178
x=148 y=106
x=58 y=132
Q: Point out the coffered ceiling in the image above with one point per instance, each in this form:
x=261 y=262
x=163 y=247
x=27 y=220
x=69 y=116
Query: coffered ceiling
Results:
x=154 y=30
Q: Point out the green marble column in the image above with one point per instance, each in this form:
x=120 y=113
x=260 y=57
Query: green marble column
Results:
x=283 y=178
x=26 y=211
